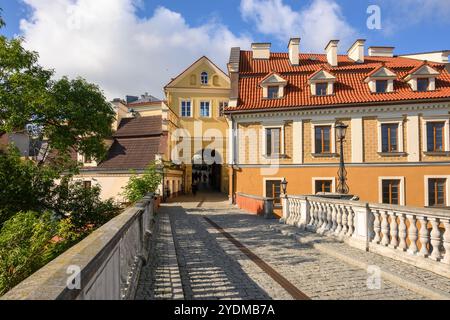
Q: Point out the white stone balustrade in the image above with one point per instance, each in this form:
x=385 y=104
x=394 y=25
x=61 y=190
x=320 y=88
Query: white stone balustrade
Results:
x=416 y=235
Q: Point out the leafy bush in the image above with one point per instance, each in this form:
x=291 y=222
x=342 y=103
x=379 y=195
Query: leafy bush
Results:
x=24 y=186
x=139 y=186
x=83 y=205
x=25 y=246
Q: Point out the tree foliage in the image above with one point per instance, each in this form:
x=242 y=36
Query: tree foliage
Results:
x=139 y=186
x=72 y=114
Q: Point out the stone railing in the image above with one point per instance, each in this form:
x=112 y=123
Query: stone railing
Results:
x=420 y=236
x=104 y=266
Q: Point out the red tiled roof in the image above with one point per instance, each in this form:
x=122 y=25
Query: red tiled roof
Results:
x=350 y=87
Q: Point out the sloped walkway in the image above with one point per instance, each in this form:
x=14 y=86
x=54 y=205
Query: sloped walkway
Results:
x=221 y=252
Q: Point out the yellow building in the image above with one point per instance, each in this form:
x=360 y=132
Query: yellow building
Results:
x=198 y=97
x=284 y=107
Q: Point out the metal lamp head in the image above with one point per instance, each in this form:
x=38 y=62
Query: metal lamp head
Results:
x=284 y=184
x=341 y=130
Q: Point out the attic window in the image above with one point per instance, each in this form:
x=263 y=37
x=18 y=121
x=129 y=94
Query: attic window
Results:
x=321 y=89
x=381 y=86
x=272 y=92
x=204 y=78
x=423 y=84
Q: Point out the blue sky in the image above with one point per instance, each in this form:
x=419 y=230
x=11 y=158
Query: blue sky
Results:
x=132 y=46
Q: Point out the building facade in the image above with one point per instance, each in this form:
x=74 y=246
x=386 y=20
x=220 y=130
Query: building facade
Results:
x=198 y=97
x=284 y=107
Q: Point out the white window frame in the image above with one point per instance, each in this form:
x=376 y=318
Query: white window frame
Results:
x=264 y=139
x=332 y=135
x=209 y=108
x=400 y=131
x=447 y=185
x=332 y=179
x=271 y=179
x=401 y=199
x=181 y=108
x=444 y=118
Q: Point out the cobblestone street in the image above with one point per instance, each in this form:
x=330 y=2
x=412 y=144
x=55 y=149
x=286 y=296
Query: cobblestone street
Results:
x=193 y=259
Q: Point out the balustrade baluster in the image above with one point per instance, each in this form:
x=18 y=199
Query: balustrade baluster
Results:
x=402 y=232
x=393 y=227
x=344 y=221
x=412 y=234
x=385 y=228
x=338 y=220
x=312 y=213
x=350 y=222
x=329 y=224
x=376 y=226
x=435 y=239
x=319 y=216
x=446 y=258
x=333 y=218
x=423 y=237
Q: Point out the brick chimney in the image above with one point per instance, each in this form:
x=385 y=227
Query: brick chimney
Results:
x=332 y=52
x=356 y=51
x=261 y=50
x=294 y=51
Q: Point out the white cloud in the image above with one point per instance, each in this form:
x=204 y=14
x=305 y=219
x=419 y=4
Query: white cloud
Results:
x=105 y=42
x=402 y=14
x=316 y=24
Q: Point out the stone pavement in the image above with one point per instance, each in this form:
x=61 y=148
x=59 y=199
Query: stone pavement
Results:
x=210 y=266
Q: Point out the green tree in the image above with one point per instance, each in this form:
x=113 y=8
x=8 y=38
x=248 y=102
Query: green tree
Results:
x=25 y=246
x=139 y=186
x=24 y=186
x=70 y=114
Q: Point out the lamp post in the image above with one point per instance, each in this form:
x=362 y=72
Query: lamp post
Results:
x=341 y=130
x=284 y=184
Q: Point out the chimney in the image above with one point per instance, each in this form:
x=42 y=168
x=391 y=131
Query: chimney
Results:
x=294 y=50
x=261 y=50
x=356 y=51
x=332 y=54
x=381 y=52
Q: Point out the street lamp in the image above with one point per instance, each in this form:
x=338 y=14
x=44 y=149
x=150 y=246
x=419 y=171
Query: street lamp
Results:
x=341 y=130
x=284 y=184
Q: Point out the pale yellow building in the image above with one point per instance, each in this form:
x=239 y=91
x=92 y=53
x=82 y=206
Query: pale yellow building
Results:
x=198 y=97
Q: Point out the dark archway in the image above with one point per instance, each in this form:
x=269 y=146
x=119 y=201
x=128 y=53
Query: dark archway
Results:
x=207 y=170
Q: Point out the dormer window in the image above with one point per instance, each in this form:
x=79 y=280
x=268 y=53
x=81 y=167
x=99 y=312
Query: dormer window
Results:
x=204 y=78
x=272 y=92
x=422 y=78
x=381 y=86
x=423 y=84
x=273 y=86
x=381 y=80
x=321 y=89
x=322 y=83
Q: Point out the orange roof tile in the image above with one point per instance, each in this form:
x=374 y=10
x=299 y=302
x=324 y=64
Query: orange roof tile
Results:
x=350 y=88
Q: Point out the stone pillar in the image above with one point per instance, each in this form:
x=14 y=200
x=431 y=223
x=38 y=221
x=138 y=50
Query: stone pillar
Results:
x=361 y=223
x=304 y=213
x=268 y=208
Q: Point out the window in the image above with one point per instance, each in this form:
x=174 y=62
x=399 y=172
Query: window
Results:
x=222 y=106
x=186 y=108
x=322 y=139
x=272 y=92
x=437 y=192
x=323 y=186
x=273 y=190
x=381 y=86
x=87 y=184
x=423 y=84
x=435 y=136
x=391 y=191
x=389 y=137
x=204 y=78
x=321 y=89
x=204 y=109
x=273 y=141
